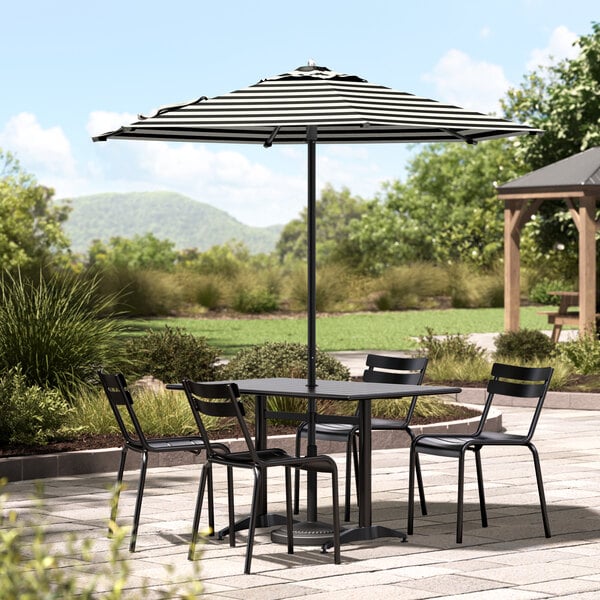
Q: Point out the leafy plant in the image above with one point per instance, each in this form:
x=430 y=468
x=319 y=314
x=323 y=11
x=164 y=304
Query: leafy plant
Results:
x=455 y=346
x=539 y=291
x=57 y=330
x=29 y=414
x=33 y=567
x=283 y=359
x=172 y=355
x=523 y=345
x=583 y=353
x=255 y=301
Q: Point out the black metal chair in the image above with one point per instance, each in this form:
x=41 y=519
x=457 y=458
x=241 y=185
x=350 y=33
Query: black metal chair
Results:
x=221 y=400
x=121 y=403
x=398 y=370
x=507 y=380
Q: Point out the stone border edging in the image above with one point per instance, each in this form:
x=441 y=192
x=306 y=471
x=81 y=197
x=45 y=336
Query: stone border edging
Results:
x=102 y=460
x=20 y=468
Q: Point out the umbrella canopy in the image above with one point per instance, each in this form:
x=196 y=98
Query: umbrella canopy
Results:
x=345 y=109
x=313 y=105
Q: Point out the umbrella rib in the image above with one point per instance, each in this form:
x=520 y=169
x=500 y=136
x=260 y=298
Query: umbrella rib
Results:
x=269 y=142
x=465 y=138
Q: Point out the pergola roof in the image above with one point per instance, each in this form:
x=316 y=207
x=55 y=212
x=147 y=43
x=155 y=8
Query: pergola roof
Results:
x=576 y=180
x=579 y=173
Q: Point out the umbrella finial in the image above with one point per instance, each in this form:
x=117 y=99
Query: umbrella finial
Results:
x=311 y=63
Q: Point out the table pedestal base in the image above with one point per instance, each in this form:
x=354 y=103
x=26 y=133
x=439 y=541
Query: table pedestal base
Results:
x=307 y=533
x=268 y=520
x=362 y=534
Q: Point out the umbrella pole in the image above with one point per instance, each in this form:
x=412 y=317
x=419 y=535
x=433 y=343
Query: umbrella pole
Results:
x=311 y=257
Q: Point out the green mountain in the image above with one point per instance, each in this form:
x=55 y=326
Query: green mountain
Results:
x=167 y=215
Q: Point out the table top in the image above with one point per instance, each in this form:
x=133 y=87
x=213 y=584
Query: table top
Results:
x=337 y=390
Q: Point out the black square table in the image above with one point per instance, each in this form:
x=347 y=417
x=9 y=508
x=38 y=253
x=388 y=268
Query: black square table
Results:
x=312 y=532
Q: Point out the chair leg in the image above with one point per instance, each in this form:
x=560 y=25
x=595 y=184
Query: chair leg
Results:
x=356 y=465
x=138 y=502
x=118 y=487
x=350 y=456
x=297 y=476
x=231 y=507
x=420 y=485
x=482 y=507
x=204 y=475
x=288 y=509
x=460 y=499
x=411 y=489
x=336 y=519
x=258 y=474
x=540 y=484
x=211 y=503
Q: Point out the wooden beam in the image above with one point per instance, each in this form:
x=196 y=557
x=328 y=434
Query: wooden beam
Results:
x=587 y=265
x=512 y=263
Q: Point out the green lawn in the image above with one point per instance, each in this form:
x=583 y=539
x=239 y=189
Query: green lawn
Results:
x=353 y=331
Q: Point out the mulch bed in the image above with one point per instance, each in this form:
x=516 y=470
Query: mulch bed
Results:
x=91 y=442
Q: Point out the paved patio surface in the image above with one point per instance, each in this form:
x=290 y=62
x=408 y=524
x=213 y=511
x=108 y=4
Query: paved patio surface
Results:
x=510 y=559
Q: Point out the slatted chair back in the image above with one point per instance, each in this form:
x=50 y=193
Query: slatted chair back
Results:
x=121 y=403
x=517 y=382
x=398 y=370
x=221 y=401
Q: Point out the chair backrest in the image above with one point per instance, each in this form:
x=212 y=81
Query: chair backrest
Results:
x=398 y=369
x=217 y=400
x=120 y=399
x=518 y=382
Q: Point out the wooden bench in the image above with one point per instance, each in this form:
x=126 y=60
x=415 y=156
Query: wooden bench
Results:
x=562 y=316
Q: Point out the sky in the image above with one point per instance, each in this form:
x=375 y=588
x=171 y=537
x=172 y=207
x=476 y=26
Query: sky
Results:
x=71 y=69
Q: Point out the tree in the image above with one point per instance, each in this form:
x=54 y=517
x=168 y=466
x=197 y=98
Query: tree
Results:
x=31 y=232
x=563 y=100
x=334 y=213
x=445 y=212
x=139 y=252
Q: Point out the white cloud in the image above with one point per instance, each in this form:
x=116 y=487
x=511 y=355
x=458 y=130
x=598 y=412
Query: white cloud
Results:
x=38 y=149
x=101 y=121
x=560 y=46
x=461 y=80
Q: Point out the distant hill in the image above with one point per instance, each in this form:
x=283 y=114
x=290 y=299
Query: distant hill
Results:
x=167 y=215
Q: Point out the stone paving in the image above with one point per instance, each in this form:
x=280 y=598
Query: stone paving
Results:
x=511 y=559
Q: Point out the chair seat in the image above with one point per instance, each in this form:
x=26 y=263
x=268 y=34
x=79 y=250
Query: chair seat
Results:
x=454 y=444
x=329 y=431
x=176 y=444
x=388 y=424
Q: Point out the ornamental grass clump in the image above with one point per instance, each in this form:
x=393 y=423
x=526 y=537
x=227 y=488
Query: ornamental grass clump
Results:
x=57 y=329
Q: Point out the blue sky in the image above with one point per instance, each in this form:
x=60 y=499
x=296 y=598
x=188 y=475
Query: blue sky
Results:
x=72 y=69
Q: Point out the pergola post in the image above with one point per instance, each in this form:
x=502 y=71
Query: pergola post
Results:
x=587 y=264
x=512 y=264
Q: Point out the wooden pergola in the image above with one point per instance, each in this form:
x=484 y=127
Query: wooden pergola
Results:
x=576 y=180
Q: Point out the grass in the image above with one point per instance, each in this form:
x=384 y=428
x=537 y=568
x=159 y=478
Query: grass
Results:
x=352 y=331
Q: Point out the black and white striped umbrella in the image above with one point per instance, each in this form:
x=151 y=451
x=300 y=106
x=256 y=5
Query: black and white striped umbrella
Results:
x=316 y=105
x=344 y=109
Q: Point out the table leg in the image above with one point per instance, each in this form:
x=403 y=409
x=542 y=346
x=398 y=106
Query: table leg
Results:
x=365 y=530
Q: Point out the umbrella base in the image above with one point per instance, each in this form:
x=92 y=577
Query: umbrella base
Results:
x=306 y=533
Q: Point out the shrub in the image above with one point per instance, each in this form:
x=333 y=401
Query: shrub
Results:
x=332 y=288
x=539 y=291
x=141 y=293
x=582 y=353
x=29 y=414
x=57 y=330
x=455 y=346
x=254 y=301
x=475 y=290
x=283 y=359
x=409 y=286
x=172 y=355
x=524 y=345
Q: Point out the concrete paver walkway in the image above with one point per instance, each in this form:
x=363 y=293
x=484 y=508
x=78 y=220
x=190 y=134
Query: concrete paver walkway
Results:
x=510 y=559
